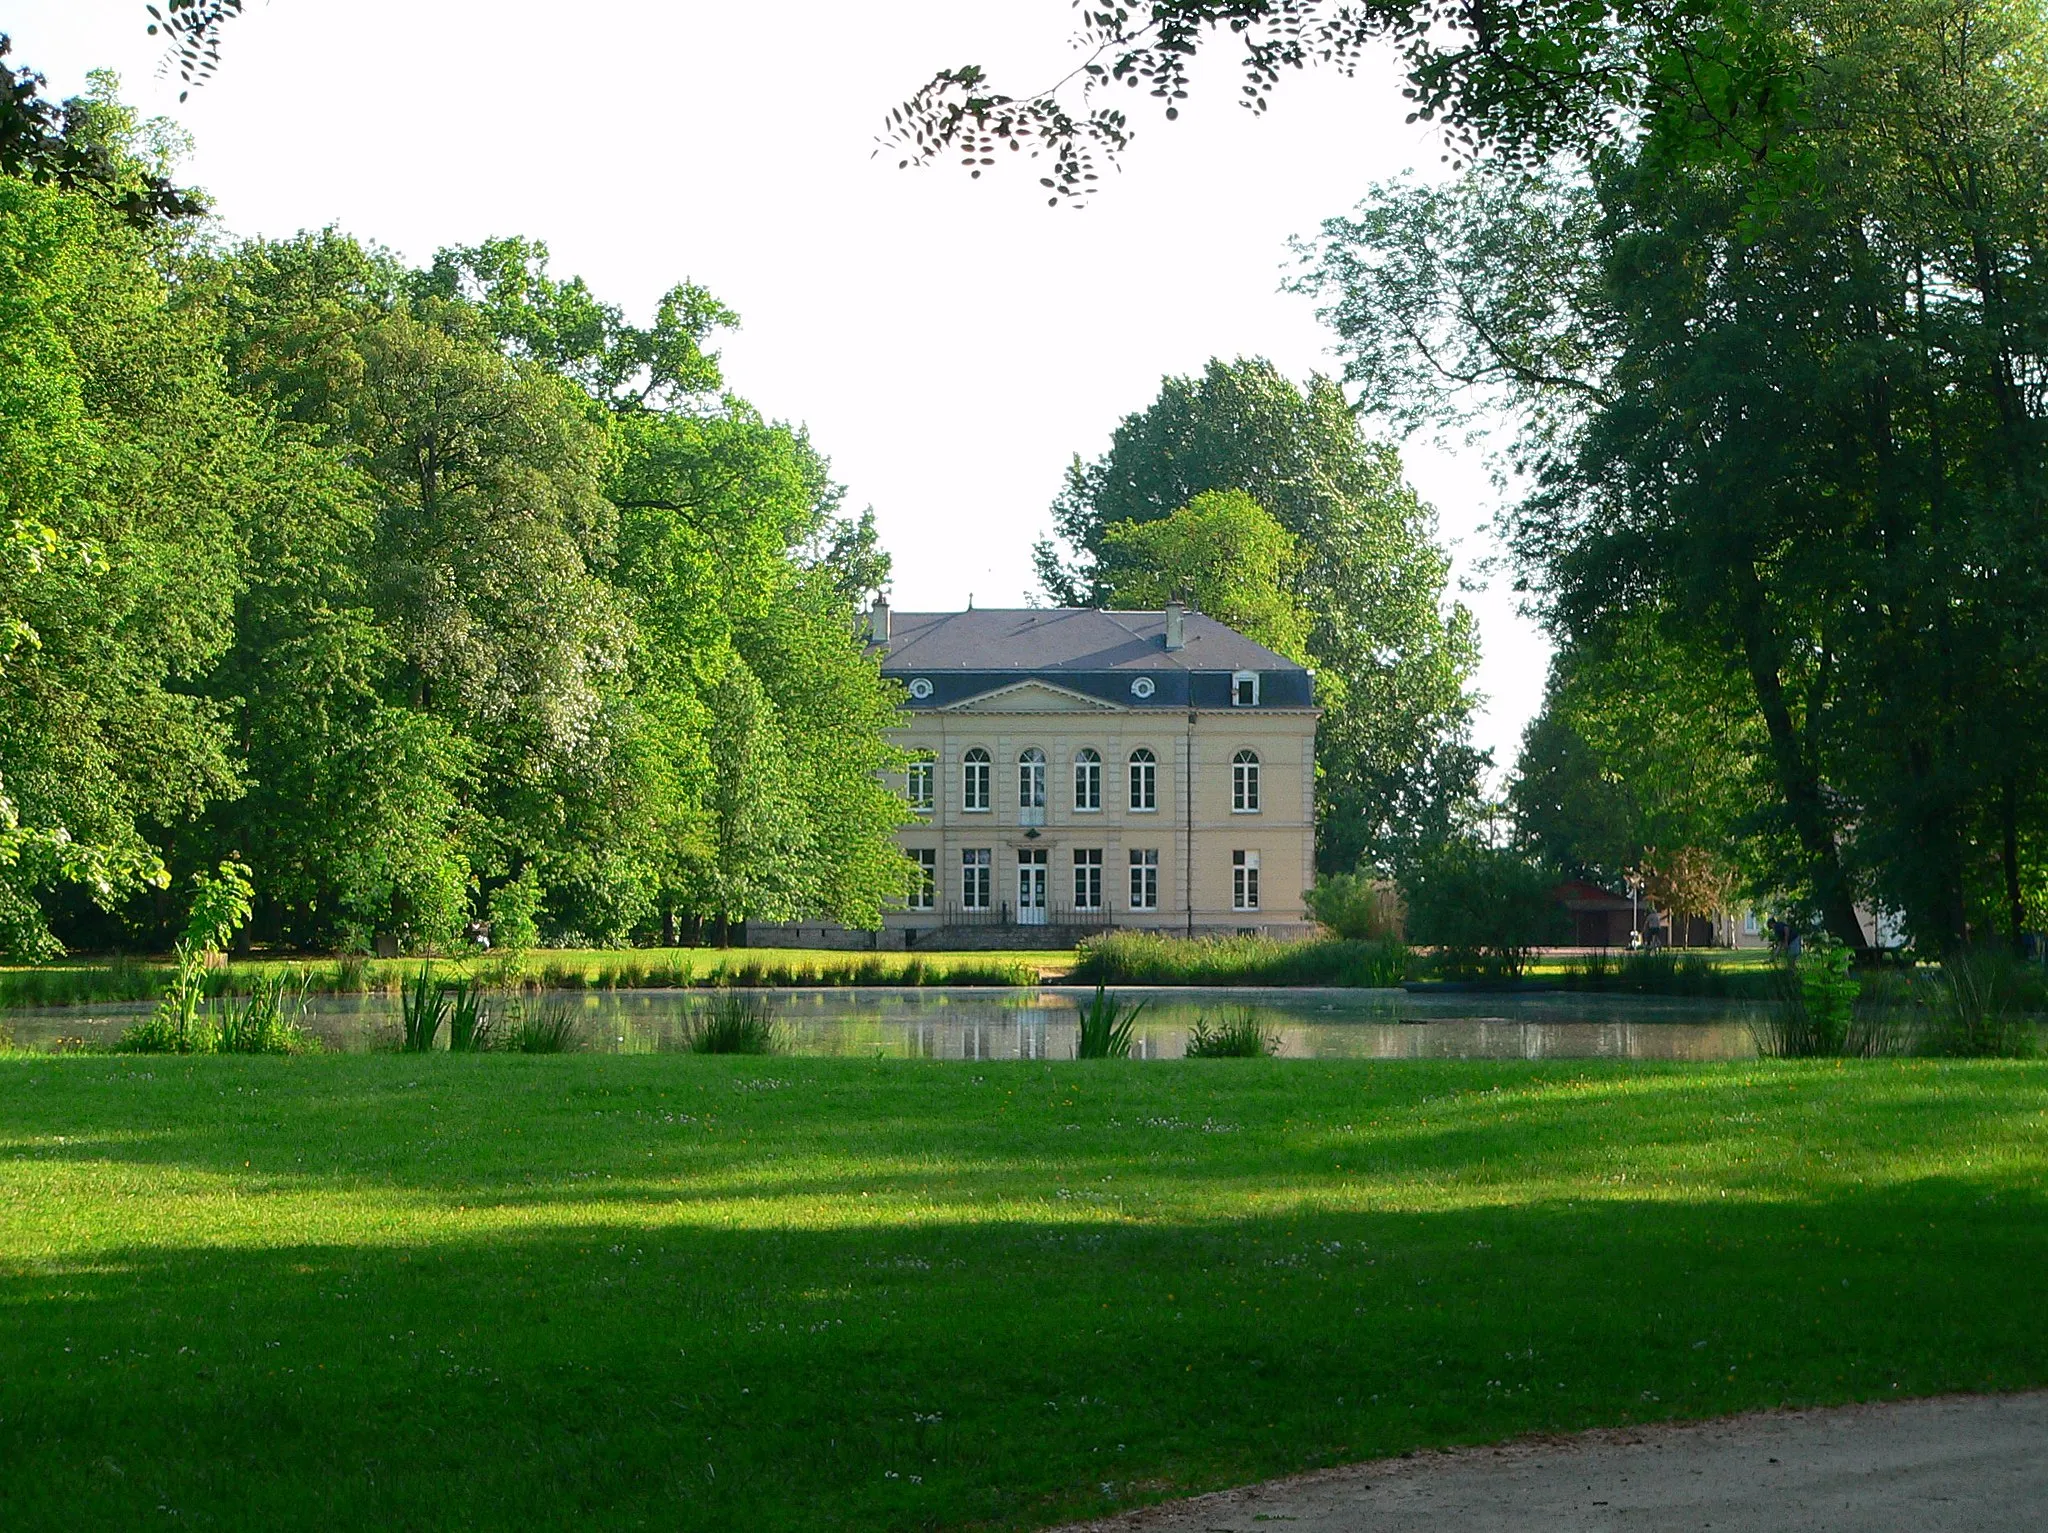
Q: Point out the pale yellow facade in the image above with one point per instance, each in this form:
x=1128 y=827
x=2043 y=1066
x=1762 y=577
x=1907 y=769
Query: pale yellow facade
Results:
x=1203 y=827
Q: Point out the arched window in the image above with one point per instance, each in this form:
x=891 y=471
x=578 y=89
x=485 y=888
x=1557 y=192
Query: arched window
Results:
x=1087 y=779
x=975 y=772
x=1031 y=779
x=1244 y=783
x=1144 y=780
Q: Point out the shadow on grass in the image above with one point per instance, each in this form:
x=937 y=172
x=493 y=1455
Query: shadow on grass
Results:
x=954 y=1375
x=518 y=1132
x=1064 y=1290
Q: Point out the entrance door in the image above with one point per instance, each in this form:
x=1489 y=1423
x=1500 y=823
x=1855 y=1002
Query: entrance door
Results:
x=1031 y=887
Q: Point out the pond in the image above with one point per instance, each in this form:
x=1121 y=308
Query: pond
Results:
x=941 y=1023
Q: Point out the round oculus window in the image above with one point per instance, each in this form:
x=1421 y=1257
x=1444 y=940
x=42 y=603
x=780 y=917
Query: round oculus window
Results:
x=1142 y=687
x=920 y=688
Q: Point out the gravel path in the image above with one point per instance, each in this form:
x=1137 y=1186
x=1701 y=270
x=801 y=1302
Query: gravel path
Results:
x=1957 y=1464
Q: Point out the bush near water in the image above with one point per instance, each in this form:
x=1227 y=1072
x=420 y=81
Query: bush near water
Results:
x=1150 y=958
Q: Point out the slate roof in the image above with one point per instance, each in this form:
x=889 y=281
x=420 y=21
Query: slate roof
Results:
x=1035 y=640
x=1118 y=658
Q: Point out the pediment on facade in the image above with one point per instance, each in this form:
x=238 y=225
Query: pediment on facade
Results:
x=1032 y=697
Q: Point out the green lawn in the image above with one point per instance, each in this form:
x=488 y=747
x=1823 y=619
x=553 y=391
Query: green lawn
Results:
x=681 y=1292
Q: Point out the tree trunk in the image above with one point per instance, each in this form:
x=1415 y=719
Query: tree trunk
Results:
x=2009 y=827
x=1798 y=784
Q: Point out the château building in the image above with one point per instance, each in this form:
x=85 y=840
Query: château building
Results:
x=1078 y=769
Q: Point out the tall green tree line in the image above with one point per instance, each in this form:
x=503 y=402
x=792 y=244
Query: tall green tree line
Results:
x=403 y=585
x=1241 y=478
x=1779 y=365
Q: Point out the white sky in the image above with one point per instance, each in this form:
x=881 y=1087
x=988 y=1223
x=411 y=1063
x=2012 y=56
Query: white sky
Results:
x=951 y=343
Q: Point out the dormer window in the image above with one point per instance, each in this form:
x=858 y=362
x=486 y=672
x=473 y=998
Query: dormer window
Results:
x=1244 y=689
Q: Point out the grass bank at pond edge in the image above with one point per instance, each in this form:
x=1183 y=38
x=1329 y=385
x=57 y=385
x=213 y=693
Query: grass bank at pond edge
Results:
x=700 y=1292
x=126 y=979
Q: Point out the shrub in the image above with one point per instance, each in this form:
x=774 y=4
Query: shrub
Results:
x=1978 y=1011
x=1818 y=1009
x=469 y=1018
x=270 y=1021
x=221 y=904
x=1595 y=971
x=163 y=1032
x=1105 y=1031
x=1356 y=908
x=546 y=1029
x=423 y=1007
x=514 y=911
x=1153 y=958
x=984 y=972
x=1483 y=908
x=732 y=1024
x=1662 y=973
x=1241 y=1035
x=1649 y=973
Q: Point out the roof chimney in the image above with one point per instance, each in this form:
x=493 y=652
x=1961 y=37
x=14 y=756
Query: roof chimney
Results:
x=878 y=622
x=1174 y=639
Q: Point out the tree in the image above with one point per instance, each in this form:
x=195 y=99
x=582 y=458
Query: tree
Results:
x=1570 y=811
x=1221 y=552
x=488 y=640
x=1355 y=908
x=1799 y=435
x=122 y=459
x=349 y=816
x=730 y=543
x=422 y=592
x=1393 y=656
x=1530 y=81
x=1529 y=78
x=65 y=147
x=562 y=324
x=760 y=839
x=1477 y=902
x=1689 y=881
x=1648 y=742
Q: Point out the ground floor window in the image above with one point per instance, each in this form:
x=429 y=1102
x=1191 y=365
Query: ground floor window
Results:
x=924 y=894
x=1087 y=879
x=1244 y=880
x=977 y=878
x=1145 y=880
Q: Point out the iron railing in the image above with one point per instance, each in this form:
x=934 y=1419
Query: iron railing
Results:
x=1004 y=913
